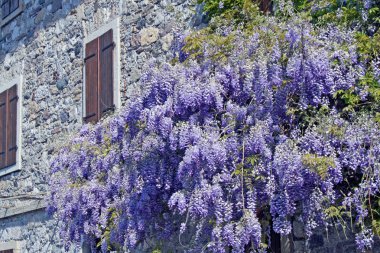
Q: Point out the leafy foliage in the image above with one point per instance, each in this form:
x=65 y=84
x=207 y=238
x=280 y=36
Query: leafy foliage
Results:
x=317 y=164
x=237 y=10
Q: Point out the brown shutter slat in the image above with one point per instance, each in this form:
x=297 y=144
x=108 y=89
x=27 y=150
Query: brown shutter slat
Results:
x=92 y=83
x=12 y=126
x=14 y=5
x=3 y=121
x=106 y=70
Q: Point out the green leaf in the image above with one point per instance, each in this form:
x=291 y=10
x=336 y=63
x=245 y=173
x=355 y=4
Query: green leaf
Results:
x=318 y=164
x=376 y=227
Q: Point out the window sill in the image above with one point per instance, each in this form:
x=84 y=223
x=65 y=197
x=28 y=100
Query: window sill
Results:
x=12 y=15
x=11 y=245
x=34 y=206
x=9 y=170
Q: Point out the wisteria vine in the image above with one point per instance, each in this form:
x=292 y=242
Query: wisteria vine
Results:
x=209 y=150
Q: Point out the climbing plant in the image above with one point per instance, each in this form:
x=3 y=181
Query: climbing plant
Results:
x=250 y=125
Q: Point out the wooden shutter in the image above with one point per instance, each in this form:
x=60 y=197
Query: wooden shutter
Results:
x=106 y=73
x=3 y=121
x=5 y=8
x=13 y=5
x=8 y=127
x=92 y=82
x=99 y=77
x=12 y=126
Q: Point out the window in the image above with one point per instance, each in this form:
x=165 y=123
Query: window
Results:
x=8 y=127
x=99 y=80
x=8 y=7
x=7 y=251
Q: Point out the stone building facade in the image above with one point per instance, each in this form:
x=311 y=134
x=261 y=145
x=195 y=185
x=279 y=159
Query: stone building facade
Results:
x=42 y=53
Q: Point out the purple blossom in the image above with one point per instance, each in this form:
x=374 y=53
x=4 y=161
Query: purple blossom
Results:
x=364 y=240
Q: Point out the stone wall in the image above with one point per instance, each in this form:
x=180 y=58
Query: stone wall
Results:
x=44 y=45
x=326 y=240
x=35 y=230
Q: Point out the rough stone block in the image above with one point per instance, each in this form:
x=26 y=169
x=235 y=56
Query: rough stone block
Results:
x=299 y=246
x=323 y=250
x=64 y=116
x=298 y=229
x=341 y=246
x=315 y=241
x=62 y=83
x=56 y=5
x=376 y=246
x=148 y=36
x=167 y=42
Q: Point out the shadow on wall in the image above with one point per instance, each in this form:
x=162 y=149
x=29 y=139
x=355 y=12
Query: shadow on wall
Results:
x=36 y=15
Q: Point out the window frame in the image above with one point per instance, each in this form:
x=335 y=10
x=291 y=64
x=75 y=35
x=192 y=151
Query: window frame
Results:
x=7 y=85
x=4 y=21
x=115 y=26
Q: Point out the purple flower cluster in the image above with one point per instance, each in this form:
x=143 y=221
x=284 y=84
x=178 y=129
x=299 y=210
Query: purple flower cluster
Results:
x=364 y=240
x=207 y=146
